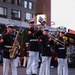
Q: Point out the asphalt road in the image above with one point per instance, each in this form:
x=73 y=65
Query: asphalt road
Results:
x=22 y=71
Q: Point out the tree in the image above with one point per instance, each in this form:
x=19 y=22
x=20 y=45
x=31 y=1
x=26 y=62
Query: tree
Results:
x=23 y=39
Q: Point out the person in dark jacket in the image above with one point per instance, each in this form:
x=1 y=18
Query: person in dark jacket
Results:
x=32 y=42
x=46 y=43
x=61 y=54
x=1 y=49
x=8 y=39
x=25 y=50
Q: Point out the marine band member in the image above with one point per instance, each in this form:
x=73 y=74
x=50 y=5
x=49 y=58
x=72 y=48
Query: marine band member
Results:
x=32 y=41
x=47 y=44
x=61 y=56
x=8 y=39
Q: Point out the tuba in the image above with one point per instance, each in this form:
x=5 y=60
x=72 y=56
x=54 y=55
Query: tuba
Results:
x=15 y=46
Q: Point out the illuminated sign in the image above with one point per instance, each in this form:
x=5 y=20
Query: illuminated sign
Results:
x=41 y=17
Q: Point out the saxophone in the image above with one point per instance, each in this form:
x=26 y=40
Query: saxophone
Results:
x=15 y=47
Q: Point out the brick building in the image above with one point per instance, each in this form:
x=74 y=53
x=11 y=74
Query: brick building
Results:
x=44 y=7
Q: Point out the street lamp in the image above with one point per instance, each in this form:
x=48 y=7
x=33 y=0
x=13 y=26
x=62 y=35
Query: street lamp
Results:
x=52 y=23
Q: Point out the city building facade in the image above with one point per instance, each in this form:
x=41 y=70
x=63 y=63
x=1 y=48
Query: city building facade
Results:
x=17 y=12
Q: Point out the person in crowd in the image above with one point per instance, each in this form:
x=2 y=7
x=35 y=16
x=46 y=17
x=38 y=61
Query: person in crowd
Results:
x=47 y=46
x=38 y=34
x=70 y=51
x=61 y=54
x=25 y=50
x=17 y=60
x=1 y=49
x=32 y=42
x=8 y=39
x=53 y=61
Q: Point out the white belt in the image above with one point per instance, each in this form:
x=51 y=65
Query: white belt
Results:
x=27 y=42
x=61 y=48
x=48 y=45
x=7 y=46
x=34 y=40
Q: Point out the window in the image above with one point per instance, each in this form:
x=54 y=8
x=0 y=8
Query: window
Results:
x=18 y=2
x=16 y=14
x=3 y=11
x=25 y=4
x=30 y=5
x=28 y=16
x=12 y=1
x=4 y=0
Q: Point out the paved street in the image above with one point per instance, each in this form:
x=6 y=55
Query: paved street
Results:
x=21 y=71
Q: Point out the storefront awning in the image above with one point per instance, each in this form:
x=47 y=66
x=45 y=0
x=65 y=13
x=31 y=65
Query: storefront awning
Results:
x=70 y=35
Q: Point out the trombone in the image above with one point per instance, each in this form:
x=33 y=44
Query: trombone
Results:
x=43 y=23
x=57 y=40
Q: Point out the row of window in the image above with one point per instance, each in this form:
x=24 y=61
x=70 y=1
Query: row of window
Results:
x=26 y=3
x=15 y=14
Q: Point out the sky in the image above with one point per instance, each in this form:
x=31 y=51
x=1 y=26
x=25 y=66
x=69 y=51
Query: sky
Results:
x=63 y=13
